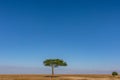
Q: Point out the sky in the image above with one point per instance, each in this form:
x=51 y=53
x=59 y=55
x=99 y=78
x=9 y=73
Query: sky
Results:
x=84 y=33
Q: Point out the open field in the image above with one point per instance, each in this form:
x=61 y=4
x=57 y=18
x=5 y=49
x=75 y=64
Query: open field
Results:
x=58 y=77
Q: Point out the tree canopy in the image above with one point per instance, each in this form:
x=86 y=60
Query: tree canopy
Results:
x=54 y=62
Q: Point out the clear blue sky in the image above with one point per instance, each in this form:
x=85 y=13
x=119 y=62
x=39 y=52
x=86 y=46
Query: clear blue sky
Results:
x=84 y=33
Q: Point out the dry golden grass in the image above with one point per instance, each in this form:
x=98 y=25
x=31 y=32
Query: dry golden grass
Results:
x=58 y=77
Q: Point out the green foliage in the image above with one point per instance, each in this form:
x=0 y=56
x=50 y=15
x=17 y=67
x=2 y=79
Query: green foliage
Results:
x=54 y=62
x=114 y=73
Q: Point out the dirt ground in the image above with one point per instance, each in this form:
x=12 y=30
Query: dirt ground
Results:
x=59 y=77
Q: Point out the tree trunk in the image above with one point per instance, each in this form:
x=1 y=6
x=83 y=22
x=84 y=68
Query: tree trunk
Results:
x=52 y=71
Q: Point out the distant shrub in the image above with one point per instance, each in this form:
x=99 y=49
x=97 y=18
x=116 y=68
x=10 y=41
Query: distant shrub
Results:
x=114 y=73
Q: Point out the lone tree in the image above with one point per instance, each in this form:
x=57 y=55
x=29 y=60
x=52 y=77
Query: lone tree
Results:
x=53 y=63
x=114 y=74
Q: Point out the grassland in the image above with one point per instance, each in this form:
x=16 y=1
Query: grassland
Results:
x=58 y=77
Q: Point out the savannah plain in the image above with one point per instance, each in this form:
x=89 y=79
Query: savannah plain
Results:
x=58 y=77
